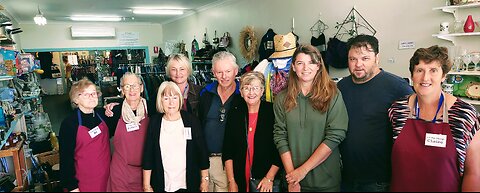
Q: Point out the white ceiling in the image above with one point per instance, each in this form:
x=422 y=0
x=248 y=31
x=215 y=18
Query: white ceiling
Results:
x=23 y=11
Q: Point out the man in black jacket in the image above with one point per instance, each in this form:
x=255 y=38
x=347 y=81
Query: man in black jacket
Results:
x=215 y=102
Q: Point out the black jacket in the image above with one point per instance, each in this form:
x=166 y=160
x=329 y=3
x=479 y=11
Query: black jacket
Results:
x=197 y=157
x=235 y=142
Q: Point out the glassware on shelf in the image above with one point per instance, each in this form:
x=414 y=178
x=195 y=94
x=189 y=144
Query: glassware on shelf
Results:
x=476 y=60
x=467 y=59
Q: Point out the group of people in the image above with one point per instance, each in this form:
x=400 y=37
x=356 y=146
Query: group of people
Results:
x=365 y=133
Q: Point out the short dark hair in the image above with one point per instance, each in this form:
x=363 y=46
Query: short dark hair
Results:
x=428 y=55
x=363 y=41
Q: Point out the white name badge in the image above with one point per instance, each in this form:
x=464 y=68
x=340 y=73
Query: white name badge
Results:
x=436 y=140
x=94 y=132
x=187 y=132
x=132 y=127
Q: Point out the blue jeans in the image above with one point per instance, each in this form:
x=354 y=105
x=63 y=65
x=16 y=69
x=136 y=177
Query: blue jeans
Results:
x=365 y=187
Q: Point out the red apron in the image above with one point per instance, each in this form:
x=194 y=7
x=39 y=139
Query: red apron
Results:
x=92 y=158
x=420 y=167
x=126 y=167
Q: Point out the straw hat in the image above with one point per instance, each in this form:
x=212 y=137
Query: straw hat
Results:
x=285 y=46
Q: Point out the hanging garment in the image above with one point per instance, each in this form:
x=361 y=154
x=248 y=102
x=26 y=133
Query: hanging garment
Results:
x=92 y=157
x=266 y=47
x=424 y=156
x=336 y=54
x=126 y=166
x=320 y=44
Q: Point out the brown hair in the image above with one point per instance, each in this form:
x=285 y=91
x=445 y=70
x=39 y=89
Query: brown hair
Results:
x=79 y=87
x=323 y=88
x=428 y=55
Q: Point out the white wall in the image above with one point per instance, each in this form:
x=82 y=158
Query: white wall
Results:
x=394 y=21
x=57 y=35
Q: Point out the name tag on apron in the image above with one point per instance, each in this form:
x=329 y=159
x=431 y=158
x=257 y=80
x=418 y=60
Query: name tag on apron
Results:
x=132 y=127
x=436 y=140
x=94 y=132
x=187 y=132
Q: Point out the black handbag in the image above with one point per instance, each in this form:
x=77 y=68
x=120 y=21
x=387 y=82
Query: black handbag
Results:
x=254 y=184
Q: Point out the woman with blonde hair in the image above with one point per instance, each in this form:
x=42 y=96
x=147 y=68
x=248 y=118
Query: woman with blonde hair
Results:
x=310 y=122
x=175 y=156
x=84 y=142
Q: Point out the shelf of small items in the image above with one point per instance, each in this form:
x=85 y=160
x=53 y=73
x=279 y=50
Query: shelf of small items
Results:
x=466 y=85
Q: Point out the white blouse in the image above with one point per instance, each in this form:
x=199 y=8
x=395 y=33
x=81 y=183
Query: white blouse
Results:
x=173 y=146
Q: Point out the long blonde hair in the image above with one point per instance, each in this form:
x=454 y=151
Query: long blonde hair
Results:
x=323 y=88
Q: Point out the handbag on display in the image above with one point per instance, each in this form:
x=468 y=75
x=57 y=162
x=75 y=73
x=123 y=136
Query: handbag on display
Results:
x=225 y=40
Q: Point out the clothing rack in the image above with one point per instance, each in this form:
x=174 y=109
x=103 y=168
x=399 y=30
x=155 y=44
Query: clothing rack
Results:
x=359 y=25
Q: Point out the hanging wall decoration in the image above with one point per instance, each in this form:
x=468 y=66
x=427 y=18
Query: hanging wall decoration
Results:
x=248 y=43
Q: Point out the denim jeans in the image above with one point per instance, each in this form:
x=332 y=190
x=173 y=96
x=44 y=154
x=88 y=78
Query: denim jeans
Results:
x=366 y=187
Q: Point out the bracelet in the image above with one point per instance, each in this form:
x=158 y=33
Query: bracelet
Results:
x=268 y=179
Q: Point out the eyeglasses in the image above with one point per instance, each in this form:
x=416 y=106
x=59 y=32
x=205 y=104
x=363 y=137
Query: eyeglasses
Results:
x=131 y=86
x=222 y=114
x=86 y=94
x=251 y=88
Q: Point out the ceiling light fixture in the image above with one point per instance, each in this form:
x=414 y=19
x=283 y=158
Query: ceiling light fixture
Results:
x=158 y=11
x=39 y=18
x=94 y=18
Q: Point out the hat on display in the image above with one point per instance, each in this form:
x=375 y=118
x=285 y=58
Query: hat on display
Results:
x=285 y=46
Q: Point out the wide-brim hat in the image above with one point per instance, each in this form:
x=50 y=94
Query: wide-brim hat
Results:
x=285 y=46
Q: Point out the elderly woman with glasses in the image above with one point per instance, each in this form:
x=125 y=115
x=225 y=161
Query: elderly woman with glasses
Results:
x=175 y=156
x=130 y=124
x=84 y=142
x=179 y=69
x=249 y=153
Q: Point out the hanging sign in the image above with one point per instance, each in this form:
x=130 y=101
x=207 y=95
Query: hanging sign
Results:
x=129 y=39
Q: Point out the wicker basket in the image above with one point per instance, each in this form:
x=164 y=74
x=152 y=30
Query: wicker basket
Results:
x=52 y=157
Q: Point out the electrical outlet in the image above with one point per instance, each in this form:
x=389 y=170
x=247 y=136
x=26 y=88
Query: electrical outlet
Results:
x=391 y=60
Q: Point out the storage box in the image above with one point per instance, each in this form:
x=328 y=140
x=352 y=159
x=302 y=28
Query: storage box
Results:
x=52 y=157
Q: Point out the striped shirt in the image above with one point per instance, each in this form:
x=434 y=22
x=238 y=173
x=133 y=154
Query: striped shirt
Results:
x=463 y=119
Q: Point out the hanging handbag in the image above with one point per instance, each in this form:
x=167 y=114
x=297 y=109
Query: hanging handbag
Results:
x=253 y=181
x=225 y=40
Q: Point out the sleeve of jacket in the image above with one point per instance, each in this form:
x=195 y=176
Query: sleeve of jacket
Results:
x=337 y=122
x=276 y=160
x=149 y=148
x=280 y=135
x=201 y=145
x=228 y=140
x=67 y=142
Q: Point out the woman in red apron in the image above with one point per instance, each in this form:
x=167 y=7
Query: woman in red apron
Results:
x=84 y=143
x=432 y=131
x=132 y=116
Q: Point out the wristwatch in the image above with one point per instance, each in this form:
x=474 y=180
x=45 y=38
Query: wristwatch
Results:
x=206 y=178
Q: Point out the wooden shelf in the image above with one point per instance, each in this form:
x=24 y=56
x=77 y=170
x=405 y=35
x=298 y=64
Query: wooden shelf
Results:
x=18 y=163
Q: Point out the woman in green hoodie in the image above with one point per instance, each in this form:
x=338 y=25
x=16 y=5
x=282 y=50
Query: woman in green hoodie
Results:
x=310 y=122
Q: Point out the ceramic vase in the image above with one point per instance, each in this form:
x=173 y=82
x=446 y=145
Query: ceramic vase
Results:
x=469 y=25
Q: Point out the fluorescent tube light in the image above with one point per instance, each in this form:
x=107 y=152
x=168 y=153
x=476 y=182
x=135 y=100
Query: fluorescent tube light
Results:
x=94 y=18
x=158 y=11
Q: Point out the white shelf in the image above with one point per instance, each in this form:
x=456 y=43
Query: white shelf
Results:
x=453 y=9
x=470 y=73
x=471 y=101
x=451 y=37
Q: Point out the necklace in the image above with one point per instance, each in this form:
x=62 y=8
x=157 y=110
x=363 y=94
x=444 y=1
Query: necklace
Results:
x=253 y=122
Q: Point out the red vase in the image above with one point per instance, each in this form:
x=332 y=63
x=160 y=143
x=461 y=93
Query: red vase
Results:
x=469 y=25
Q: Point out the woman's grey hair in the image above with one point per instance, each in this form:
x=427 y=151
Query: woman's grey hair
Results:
x=168 y=88
x=180 y=58
x=249 y=77
x=224 y=55
x=130 y=74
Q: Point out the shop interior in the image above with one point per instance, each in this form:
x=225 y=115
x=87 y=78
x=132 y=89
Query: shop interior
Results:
x=39 y=61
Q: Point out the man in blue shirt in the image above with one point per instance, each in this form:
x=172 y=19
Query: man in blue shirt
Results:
x=214 y=104
x=368 y=93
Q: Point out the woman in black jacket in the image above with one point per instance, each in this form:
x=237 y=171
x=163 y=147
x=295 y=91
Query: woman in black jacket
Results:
x=248 y=149
x=175 y=156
